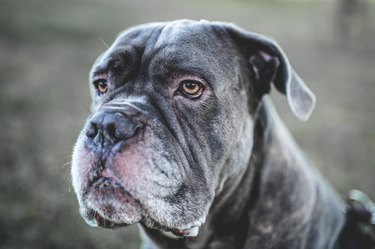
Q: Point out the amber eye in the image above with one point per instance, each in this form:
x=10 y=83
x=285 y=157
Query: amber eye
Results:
x=191 y=88
x=101 y=85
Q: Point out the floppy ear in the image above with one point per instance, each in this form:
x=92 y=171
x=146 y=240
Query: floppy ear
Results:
x=270 y=64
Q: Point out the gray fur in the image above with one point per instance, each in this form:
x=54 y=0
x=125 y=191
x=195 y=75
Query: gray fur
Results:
x=222 y=162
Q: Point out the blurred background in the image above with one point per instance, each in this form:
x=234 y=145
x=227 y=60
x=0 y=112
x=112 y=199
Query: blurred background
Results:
x=48 y=46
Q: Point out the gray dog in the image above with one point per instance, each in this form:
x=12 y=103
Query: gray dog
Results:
x=184 y=140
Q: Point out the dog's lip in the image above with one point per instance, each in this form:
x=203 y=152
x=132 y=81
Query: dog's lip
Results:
x=105 y=183
x=94 y=219
x=175 y=232
x=102 y=174
x=190 y=232
x=102 y=222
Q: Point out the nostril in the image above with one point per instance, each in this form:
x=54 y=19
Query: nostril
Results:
x=111 y=130
x=92 y=130
x=127 y=129
x=112 y=127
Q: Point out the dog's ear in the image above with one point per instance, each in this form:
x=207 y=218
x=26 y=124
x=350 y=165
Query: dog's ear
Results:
x=270 y=64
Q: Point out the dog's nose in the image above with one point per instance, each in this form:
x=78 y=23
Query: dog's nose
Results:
x=112 y=127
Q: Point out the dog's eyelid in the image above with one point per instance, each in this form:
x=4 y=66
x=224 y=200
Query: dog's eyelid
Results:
x=99 y=70
x=101 y=85
x=192 y=77
x=99 y=75
x=190 y=87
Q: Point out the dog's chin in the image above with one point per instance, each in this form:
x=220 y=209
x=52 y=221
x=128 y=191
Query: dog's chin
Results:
x=94 y=219
x=107 y=216
x=111 y=210
x=108 y=205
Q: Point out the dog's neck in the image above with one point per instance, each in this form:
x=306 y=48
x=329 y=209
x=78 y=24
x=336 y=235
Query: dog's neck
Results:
x=295 y=208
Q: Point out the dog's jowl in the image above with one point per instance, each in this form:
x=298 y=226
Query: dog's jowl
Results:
x=185 y=142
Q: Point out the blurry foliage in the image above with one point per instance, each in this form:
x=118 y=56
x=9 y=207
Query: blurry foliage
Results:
x=47 y=47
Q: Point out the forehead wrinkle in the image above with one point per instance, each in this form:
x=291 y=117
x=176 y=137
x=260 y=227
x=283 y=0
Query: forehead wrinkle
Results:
x=172 y=58
x=99 y=66
x=168 y=34
x=184 y=33
x=114 y=54
x=140 y=37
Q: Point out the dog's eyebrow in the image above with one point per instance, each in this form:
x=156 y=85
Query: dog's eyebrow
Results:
x=169 y=69
x=97 y=71
x=103 y=67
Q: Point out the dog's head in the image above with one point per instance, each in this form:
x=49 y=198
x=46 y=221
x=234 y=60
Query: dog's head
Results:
x=172 y=120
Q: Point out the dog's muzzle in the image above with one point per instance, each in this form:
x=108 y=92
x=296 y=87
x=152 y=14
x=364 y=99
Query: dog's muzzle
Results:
x=108 y=127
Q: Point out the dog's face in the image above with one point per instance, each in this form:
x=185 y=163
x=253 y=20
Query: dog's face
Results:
x=171 y=122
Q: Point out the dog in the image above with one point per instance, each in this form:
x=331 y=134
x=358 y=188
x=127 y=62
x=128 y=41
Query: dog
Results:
x=184 y=141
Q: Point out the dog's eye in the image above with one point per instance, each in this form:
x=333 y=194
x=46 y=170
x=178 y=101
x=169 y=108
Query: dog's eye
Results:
x=101 y=85
x=191 y=89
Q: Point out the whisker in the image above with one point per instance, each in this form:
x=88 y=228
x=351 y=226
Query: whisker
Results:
x=66 y=164
x=104 y=43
